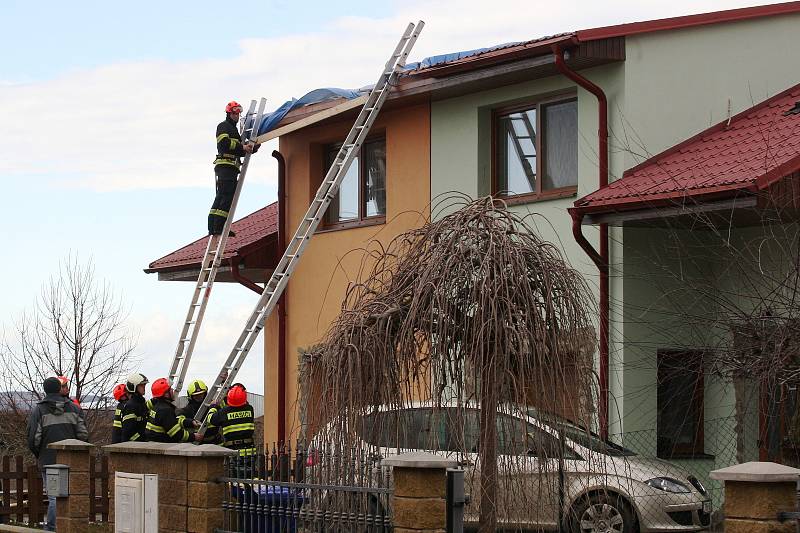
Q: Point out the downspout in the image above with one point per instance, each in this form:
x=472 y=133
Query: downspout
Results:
x=235 y=263
x=281 y=393
x=600 y=259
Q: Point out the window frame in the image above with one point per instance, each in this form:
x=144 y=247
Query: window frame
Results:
x=362 y=220
x=697 y=448
x=538 y=195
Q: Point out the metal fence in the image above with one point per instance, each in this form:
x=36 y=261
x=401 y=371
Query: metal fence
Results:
x=315 y=490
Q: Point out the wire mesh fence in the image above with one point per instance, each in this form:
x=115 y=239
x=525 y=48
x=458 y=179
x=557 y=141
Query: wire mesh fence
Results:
x=319 y=489
x=717 y=450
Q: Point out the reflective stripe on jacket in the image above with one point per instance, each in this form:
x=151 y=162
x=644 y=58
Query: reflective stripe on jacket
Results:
x=229 y=145
x=116 y=428
x=237 y=426
x=134 y=418
x=164 y=425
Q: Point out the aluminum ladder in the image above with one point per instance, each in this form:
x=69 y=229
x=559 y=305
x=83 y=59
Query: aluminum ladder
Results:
x=311 y=220
x=211 y=262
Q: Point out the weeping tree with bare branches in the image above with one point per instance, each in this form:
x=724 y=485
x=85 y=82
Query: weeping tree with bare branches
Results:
x=75 y=328
x=473 y=309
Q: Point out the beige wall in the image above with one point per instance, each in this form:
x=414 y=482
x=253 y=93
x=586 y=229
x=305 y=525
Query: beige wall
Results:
x=332 y=258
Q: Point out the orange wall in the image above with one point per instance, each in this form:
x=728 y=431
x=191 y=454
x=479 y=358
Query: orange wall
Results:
x=317 y=287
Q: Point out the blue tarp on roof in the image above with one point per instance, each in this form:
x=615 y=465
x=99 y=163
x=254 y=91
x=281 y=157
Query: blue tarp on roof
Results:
x=270 y=121
x=432 y=61
x=317 y=95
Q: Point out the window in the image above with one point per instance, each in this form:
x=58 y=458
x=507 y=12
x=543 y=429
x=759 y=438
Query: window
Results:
x=536 y=150
x=680 y=404
x=362 y=194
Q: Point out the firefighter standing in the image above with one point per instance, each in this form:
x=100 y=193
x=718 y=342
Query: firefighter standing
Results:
x=134 y=414
x=163 y=424
x=197 y=392
x=121 y=395
x=226 y=166
x=236 y=422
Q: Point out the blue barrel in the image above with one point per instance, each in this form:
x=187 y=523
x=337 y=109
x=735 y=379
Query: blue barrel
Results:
x=268 y=509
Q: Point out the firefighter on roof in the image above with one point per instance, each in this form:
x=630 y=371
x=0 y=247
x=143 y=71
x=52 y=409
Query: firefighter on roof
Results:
x=163 y=424
x=226 y=166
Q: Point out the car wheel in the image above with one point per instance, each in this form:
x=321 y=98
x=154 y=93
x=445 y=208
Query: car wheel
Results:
x=603 y=513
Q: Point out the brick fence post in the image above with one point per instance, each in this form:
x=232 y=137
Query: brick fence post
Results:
x=72 y=512
x=420 y=491
x=754 y=495
x=190 y=497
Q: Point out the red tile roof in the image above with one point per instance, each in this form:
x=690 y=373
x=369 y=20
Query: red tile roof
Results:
x=250 y=231
x=543 y=44
x=758 y=147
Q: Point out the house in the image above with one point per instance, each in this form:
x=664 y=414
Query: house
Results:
x=528 y=122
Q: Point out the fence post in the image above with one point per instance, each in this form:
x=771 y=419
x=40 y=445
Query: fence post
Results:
x=190 y=497
x=72 y=512
x=420 y=491
x=755 y=493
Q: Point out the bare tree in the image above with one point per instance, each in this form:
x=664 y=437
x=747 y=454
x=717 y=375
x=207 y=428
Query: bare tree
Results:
x=75 y=328
x=473 y=308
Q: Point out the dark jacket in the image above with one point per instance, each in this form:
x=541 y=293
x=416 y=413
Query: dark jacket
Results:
x=134 y=418
x=212 y=434
x=229 y=145
x=164 y=425
x=53 y=419
x=236 y=425
x=116 y=428
x=190 y=411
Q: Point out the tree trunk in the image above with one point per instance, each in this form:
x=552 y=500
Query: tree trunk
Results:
x=740 y=391
x=488 y=450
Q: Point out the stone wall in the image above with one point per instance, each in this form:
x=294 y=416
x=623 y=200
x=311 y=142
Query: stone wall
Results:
x=190 y=495
x=755 y=493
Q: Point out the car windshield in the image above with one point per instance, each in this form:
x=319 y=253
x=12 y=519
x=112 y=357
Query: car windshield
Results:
x=587 y=439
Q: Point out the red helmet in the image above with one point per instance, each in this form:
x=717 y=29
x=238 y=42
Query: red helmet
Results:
x=64 y=381
x=120 y=391
x=160 y=387
x=233 y=107
x=237 y=396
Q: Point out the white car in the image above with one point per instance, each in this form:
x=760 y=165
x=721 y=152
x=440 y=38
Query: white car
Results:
x=602 y=487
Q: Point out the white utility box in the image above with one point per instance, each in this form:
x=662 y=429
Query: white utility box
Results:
x=135 y=503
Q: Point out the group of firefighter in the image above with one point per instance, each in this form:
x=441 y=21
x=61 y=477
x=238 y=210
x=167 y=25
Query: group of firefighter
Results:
x=230 y=423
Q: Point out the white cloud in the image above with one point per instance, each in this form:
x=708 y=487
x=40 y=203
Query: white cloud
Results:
x=150 y=124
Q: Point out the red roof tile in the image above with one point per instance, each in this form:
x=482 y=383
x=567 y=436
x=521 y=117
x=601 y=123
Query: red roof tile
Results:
x=249 y=231
x=758 y=147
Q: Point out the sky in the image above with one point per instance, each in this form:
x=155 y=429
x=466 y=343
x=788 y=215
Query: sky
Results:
x=109 y=112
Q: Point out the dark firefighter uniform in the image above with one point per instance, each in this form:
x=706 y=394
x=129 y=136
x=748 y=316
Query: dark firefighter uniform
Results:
x=164 y=425
x=226 y=169
x=212 y=434
x=116 y=429
x=134 y=418
x=190 y=411
x=236 y=425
